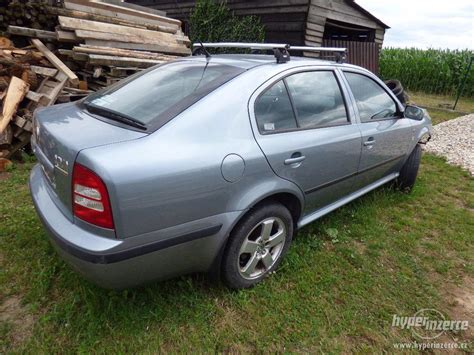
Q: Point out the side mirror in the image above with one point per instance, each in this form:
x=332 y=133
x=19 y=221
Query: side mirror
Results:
x=414 y=112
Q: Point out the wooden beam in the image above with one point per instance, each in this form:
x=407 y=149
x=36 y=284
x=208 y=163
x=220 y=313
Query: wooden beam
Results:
x=113 y=61
x=122 y=53
x=31 y=32
x=109 y=19
x=67 y=36
x=43 y=71
x=140 y=46
x=15 y=94
x=70 y=23
x=135 y=7
x=121 y=13
x=58 y=64
x=86 y=34
x=128 y=11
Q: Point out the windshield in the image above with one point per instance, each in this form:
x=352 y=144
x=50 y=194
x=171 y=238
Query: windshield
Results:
x=158 y=95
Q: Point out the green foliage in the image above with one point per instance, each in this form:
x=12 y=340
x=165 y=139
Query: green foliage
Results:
x=212 y=21
x=433 y=71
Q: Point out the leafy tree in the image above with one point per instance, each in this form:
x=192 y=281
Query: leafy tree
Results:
x=212 y=21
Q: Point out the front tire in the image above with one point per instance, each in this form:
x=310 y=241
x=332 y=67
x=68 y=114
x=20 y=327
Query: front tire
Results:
x=257 y=245
x=408 y=173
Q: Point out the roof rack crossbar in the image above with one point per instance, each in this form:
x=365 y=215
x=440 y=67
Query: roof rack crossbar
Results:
x=281 y=50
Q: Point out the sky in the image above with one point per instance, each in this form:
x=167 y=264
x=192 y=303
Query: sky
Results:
x=425 y=23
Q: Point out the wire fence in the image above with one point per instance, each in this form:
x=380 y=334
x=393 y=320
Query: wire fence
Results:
x=432 y=71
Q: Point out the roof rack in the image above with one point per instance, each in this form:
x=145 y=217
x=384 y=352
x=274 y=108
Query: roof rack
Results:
x=280 y=50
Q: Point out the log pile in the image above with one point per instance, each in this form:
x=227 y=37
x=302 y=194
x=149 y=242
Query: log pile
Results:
x=28 y=80
x=31 y=14
x=93 y=44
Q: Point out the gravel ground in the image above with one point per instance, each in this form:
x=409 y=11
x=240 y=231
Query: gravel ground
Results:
x=454 y=140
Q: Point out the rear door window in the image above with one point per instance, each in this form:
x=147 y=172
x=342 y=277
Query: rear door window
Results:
x=373 y=102
x=273 y=110
x=317 y=99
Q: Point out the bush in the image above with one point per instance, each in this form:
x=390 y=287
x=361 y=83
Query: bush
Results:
x=212 y=21
x=433 y=71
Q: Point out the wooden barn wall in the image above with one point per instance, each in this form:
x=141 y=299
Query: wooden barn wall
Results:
x=284 y=20
x=338 y=10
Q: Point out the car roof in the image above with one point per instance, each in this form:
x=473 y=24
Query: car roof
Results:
x=249 y=61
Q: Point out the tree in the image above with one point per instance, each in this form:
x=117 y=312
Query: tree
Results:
x=212 y=21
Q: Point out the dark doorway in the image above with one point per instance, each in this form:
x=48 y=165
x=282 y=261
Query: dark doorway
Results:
x=340 y=31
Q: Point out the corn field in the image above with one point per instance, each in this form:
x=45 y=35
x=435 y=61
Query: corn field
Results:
x=431 y=71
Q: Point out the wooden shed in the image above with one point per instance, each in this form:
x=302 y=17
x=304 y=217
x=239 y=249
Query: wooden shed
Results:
x=334 y=23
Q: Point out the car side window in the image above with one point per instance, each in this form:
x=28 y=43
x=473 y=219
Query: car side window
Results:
x=372 y=100
x=317 y=99
x=273 y=110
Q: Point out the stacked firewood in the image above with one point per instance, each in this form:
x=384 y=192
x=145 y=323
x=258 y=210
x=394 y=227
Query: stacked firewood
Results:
x=28 y=79
x=92 y=44
x=27 y=13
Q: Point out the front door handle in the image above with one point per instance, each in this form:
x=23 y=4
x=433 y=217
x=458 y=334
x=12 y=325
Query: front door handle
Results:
x=295 y=159
x=369 y=142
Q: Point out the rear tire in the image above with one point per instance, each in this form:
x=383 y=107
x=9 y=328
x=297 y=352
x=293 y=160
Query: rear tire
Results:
x=408 y=173
x=257 y=245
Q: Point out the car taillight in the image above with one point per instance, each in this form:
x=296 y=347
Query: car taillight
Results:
x=90 y=199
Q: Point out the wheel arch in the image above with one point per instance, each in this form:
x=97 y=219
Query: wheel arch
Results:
x=291 y=198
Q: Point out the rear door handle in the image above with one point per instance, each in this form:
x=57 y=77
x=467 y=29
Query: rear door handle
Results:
x=295 y=160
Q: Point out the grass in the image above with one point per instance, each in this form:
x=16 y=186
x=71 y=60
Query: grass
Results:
x=439 y=106
x=343 y=279
x=337 y=290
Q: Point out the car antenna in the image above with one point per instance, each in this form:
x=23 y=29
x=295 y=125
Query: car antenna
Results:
x=202 y=50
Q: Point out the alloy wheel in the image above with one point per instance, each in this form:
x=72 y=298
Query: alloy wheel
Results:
x=261 y=248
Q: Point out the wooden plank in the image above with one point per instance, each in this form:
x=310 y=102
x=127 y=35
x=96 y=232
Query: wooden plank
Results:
x=135 y=7
x=43 y=71
x=113 y=61
x=315 y=27
x=277 y=10
x=108 y=19
x=67 y=36
x=58 y=64
x=314 y=39
x=121 y=12
x=314 y=33
x=16 y=91
x=33 y=96
x=140 y=46
x=314 y=18
x=86 y=34
x=70 y=23
x=323 y=12
x=122 y=53
x=31 y=32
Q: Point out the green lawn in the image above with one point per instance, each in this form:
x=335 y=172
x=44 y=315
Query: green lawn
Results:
x=439 y=107
x=337 y=290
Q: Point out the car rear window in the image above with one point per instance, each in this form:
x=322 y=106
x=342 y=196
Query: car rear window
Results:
x=159 y=94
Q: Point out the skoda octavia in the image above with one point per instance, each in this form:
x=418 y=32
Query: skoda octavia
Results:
x=211 y=163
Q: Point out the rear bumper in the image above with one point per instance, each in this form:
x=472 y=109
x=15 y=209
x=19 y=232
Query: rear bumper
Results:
x=113 y=263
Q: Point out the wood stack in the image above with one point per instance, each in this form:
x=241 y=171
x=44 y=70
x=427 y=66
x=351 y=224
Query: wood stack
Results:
x=96 y=44
x=27 y=13
x=29 y=78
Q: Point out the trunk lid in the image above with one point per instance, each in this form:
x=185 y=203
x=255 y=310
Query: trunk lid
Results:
x=59 y=134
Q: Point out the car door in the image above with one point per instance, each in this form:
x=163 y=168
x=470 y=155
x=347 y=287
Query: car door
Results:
x=386 y=135
x=304 y=127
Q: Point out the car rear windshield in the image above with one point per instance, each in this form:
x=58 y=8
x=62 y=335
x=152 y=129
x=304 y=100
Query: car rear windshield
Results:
x=157 y=95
